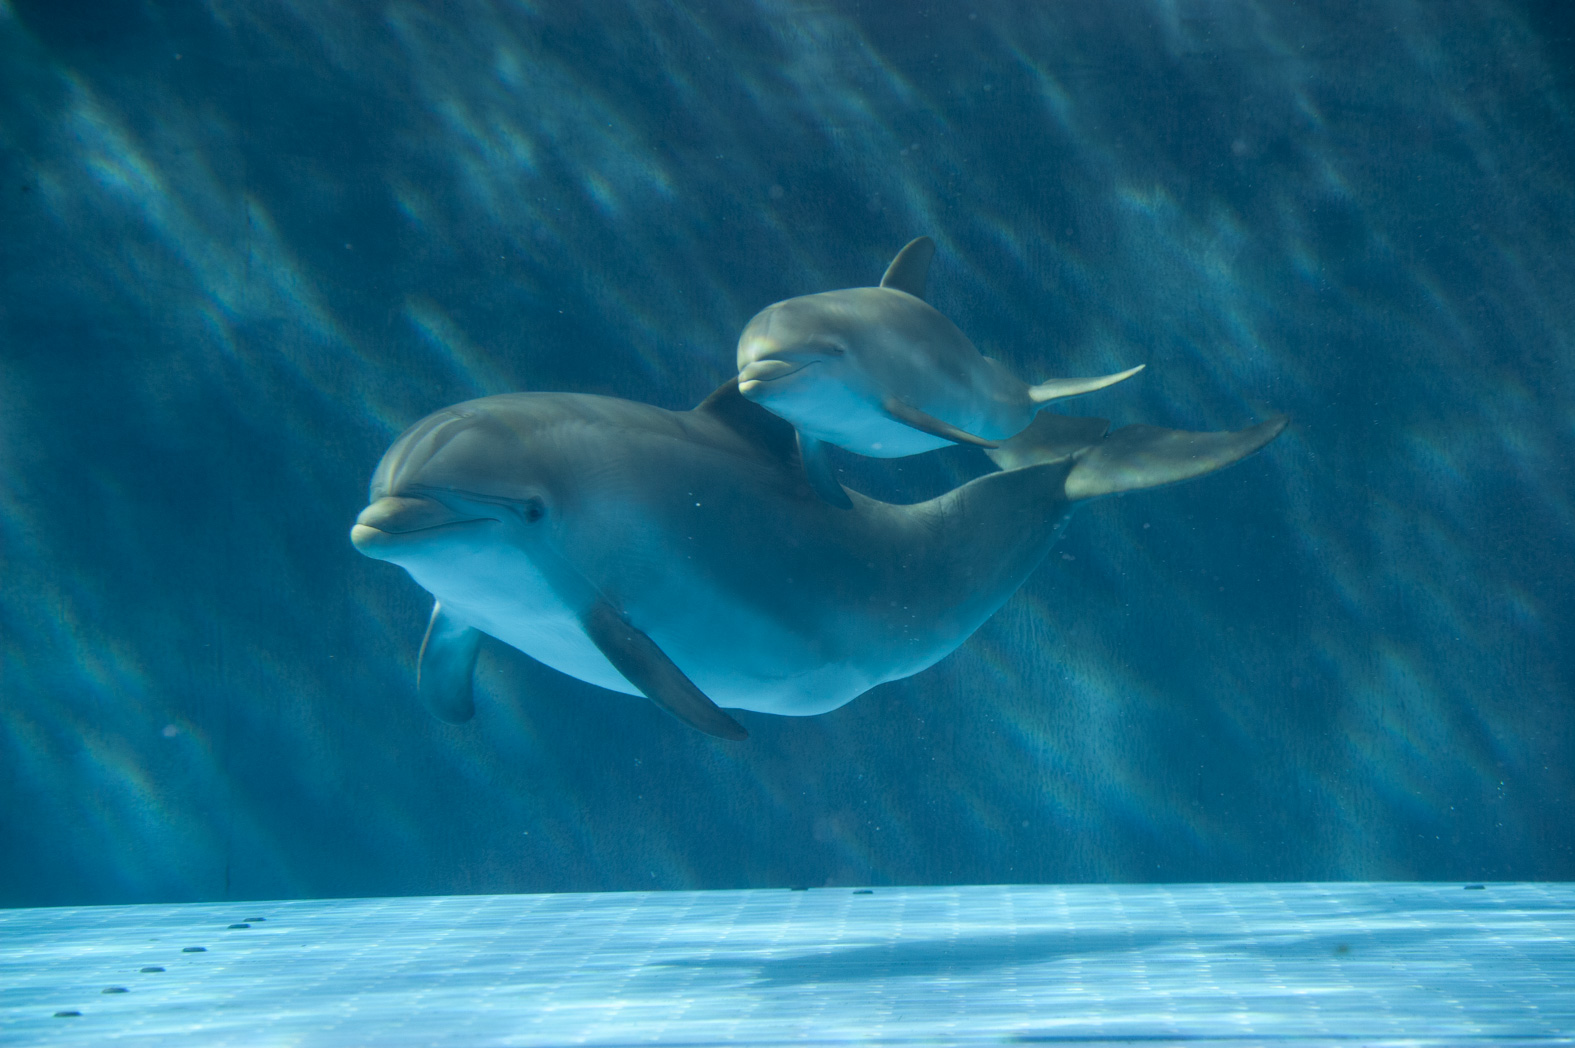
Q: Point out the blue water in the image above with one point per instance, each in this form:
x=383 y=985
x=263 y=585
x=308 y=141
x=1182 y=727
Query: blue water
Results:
x=242 y=246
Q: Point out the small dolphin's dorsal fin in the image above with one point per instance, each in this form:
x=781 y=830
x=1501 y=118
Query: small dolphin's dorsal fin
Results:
x=909 y=270
x=648 y=668
x=911 y=416
x=445 y=667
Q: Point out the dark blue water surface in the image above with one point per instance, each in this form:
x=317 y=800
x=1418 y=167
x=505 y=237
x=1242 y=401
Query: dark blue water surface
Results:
x=244 y=244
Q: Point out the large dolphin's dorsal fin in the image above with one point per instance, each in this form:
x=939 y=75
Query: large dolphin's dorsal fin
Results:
x=750 y=421
x=445 y=667
x=803 y=458
x=648 y=668
x=909 y=270
x=817 y=466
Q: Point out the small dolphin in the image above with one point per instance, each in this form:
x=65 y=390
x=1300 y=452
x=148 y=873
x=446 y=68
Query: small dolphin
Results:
x=880 y=372
x=683 y=556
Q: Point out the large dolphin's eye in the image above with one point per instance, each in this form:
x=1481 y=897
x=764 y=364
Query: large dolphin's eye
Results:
x=533 y=510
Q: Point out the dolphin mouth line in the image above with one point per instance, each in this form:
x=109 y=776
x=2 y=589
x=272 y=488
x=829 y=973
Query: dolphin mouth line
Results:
x=381 y=545
x=413 y=513
x=393 y=521
x=428 y=527
x=760 y=372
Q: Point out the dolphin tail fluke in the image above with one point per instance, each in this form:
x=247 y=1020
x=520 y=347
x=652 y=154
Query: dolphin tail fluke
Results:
x=1060 y=388
x=1131 y=458
x=444 y=670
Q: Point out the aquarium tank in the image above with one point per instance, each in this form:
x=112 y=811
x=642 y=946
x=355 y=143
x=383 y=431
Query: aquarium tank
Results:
x=909 y=597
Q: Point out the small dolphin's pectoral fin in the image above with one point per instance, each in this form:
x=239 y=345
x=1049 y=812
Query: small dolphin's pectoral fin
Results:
x=817 y=467
x=447 y=663
x=1058 y=388
x=909 y=270
x=912 y=416
x=648 y=668
x=1137 y=457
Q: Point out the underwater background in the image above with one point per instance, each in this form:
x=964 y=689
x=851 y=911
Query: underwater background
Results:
x=244 y=244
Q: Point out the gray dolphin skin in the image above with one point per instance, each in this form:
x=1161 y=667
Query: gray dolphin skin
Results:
x=880 y=372
x=683 y=555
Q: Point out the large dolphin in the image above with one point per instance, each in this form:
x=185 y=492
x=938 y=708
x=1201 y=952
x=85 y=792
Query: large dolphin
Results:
x=881 y=372
x=683 y=556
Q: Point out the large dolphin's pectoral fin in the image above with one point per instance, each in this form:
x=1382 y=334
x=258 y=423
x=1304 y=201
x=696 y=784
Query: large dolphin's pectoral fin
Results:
x=648 y=668
x=909 y=415
x=1058 y=388
x=817 y=467
x=909 y=270
x=447 y=663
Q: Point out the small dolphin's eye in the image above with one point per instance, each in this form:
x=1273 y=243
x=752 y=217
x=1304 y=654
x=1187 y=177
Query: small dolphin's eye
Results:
x=533 y=510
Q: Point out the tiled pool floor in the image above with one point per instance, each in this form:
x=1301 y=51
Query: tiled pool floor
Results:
x=1237 y=964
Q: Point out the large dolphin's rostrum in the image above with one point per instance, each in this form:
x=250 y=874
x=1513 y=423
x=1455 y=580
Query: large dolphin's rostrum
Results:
x=683 y=555
x=881 y=372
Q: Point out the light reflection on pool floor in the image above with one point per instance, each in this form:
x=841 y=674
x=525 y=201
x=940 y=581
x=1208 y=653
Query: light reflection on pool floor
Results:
x=1375 y=964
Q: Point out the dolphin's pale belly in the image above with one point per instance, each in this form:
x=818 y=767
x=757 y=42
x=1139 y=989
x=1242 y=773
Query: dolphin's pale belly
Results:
x=877 y=435
x=502 y=594
x=874 y=434
x=555 y=638
x=822 y=407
